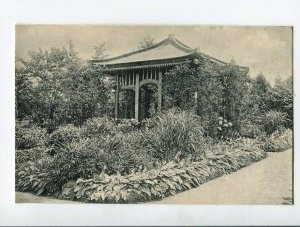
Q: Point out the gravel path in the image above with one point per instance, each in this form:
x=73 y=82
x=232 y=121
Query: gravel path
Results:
x=268 y=181
x=24 y=197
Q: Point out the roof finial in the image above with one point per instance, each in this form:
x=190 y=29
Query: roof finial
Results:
x=171 y=36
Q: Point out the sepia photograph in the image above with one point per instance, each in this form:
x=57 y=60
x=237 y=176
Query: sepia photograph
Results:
x=154 y=114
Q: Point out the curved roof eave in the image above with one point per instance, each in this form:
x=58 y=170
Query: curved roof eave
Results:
x=170 y=40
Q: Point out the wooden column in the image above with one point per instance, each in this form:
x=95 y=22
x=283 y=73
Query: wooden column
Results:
x=117 y=98
x=136 y=98
x=159 y=91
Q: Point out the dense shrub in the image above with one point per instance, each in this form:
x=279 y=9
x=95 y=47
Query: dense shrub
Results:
x=168 y=180
x=278 y=141
x=32 y=154
x=65 y=134
x=121 y=152
x=250 y=129
x=273 y=120
x=127 y=125
x=98 y=126
x=73 y=161
x=28 y=137
x=83 y=158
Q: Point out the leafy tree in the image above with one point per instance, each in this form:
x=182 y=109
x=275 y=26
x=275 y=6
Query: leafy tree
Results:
x=255 y=105
x=99 y=51
x=235 y=84
x=146 y=42
x=220 y=90
x=184 y=81
x=281 y=98
x=260 y=91
x=60 y=88
x=22 y=91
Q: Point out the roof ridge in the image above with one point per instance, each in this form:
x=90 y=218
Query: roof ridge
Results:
x=132 y=52
x=182 y=44
x=170 y=39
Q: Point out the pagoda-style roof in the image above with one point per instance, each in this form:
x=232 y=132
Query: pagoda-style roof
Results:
x=169 y=51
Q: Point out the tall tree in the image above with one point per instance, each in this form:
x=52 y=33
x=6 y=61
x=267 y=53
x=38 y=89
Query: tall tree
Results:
x=182 y=82
x=260 y=91
x=281 y=98
x=64 y=89
x=100 y=51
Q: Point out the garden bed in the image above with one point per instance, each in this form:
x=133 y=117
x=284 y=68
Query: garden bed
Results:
x=155 y=184
x=125 y=162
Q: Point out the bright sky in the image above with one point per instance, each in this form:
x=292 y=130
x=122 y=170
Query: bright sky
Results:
x=264 y=49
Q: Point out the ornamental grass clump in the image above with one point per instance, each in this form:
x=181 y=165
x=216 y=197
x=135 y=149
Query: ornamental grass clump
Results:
x=280 y=140
x=174 y=132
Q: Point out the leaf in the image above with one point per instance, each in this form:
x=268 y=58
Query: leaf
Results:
x=94 y=186
x=78 y=187
x=124 y=195
x=117 y=197
x=155 y=192
x=169 y=183
x=149 y=182
x=79 y=180
x=35 y=184
x=186 y=176
x=80 y=193
x=187 y=184
x=40 y=191
x=178 y=179
x=146 y=191
x=172 y=192
x=67 y=191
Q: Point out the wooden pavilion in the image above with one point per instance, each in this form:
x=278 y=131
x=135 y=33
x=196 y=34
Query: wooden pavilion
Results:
x=147 y=66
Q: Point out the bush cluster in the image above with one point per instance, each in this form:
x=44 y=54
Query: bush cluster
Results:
x=280 y=140
x=273 y=121
x=28 y=137
x=32 y=155
x=250 y=129
x=167 y=180
x=65 y=134
x=128 y=150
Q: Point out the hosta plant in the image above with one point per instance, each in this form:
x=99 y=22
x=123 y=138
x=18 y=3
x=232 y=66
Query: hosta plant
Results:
x=167 y=180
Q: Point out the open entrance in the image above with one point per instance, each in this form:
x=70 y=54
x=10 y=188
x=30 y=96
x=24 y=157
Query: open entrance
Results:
x=126 y=109
x=148 y=101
